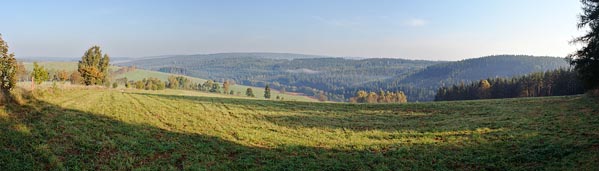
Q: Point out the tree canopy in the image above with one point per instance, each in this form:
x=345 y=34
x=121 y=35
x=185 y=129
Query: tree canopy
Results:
x=552 y=83
x=249 y=92
x=93 y=66
x=586 y=59
x=40 y=74
x=267 y=92
x=8 y=68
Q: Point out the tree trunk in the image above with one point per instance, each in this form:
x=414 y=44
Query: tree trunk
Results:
x=7 y=96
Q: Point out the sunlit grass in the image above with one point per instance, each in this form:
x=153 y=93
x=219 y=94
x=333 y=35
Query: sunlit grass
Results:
x=169 y=130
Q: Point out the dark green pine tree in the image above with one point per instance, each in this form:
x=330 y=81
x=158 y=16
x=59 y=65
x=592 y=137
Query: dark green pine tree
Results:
x=267 y=92
x=586 y=59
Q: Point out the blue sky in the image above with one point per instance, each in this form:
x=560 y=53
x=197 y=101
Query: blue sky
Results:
x=435 y=30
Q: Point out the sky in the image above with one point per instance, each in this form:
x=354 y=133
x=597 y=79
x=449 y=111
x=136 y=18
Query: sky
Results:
x=431 y=30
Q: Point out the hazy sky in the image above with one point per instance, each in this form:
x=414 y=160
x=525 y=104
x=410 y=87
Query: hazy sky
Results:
x=437 y=29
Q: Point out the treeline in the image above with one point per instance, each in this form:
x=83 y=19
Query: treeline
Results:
x=47 y=74
x=381 y=97
x=179 y=82
x=183 y=83
x=41 y=74
x=552 y=83
x=123 y=70
x=147 y=84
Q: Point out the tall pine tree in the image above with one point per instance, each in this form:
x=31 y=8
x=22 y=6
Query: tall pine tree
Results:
x=267 y=92
x=586 y=59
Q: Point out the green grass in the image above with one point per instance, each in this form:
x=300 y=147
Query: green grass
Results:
x=140 y=74
x=258 y=91
x=153 y=130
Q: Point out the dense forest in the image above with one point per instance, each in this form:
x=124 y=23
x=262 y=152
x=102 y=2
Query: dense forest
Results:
x=551 y=83
x=341 y=78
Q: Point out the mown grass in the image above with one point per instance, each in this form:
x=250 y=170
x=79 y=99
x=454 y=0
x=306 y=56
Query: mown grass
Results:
x=113 y=130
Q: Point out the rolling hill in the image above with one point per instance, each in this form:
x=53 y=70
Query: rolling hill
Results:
x=340 y=78
x=482 y=68
x=104 y=129
x=139 y=74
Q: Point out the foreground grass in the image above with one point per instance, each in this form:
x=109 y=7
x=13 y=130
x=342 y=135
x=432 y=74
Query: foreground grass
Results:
x=113 y=130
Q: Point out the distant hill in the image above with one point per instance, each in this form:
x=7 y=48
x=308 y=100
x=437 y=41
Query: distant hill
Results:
x=266 y=55
x=422 y=85
x=340 y=78
x=67 y=59
x=482 y=68
x=305 y=75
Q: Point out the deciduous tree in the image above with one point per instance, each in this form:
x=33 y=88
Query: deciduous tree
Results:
x=321 y=97
x=40 y=74
x=249 y=92
x=76 y=78
x=173 y=83
x=8 y=69
x=62 y=75
x=226 y=86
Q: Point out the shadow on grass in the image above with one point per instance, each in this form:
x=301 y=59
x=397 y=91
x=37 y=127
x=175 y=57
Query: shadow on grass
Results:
x=43 y=136
x=356 y=117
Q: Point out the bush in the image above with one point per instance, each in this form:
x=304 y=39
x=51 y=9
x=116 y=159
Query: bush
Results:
x=115 y=85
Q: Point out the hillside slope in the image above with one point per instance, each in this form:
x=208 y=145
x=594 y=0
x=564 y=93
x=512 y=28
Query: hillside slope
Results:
x=304 y=75
x=423 y=84
x=113 y=130
x=341 y=78
x=311 y=72
x=482 y=68
x=140 y=74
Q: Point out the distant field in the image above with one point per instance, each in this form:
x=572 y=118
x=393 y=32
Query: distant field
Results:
x=68 y=66
x=258 y=91
x=154 y=130
x=139 y=74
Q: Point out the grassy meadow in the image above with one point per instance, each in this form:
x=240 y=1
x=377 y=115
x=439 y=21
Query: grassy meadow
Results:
x=108 y=129
x=140 y=74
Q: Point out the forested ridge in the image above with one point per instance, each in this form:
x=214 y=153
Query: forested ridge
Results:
x=341 y=78
x=558 y=82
